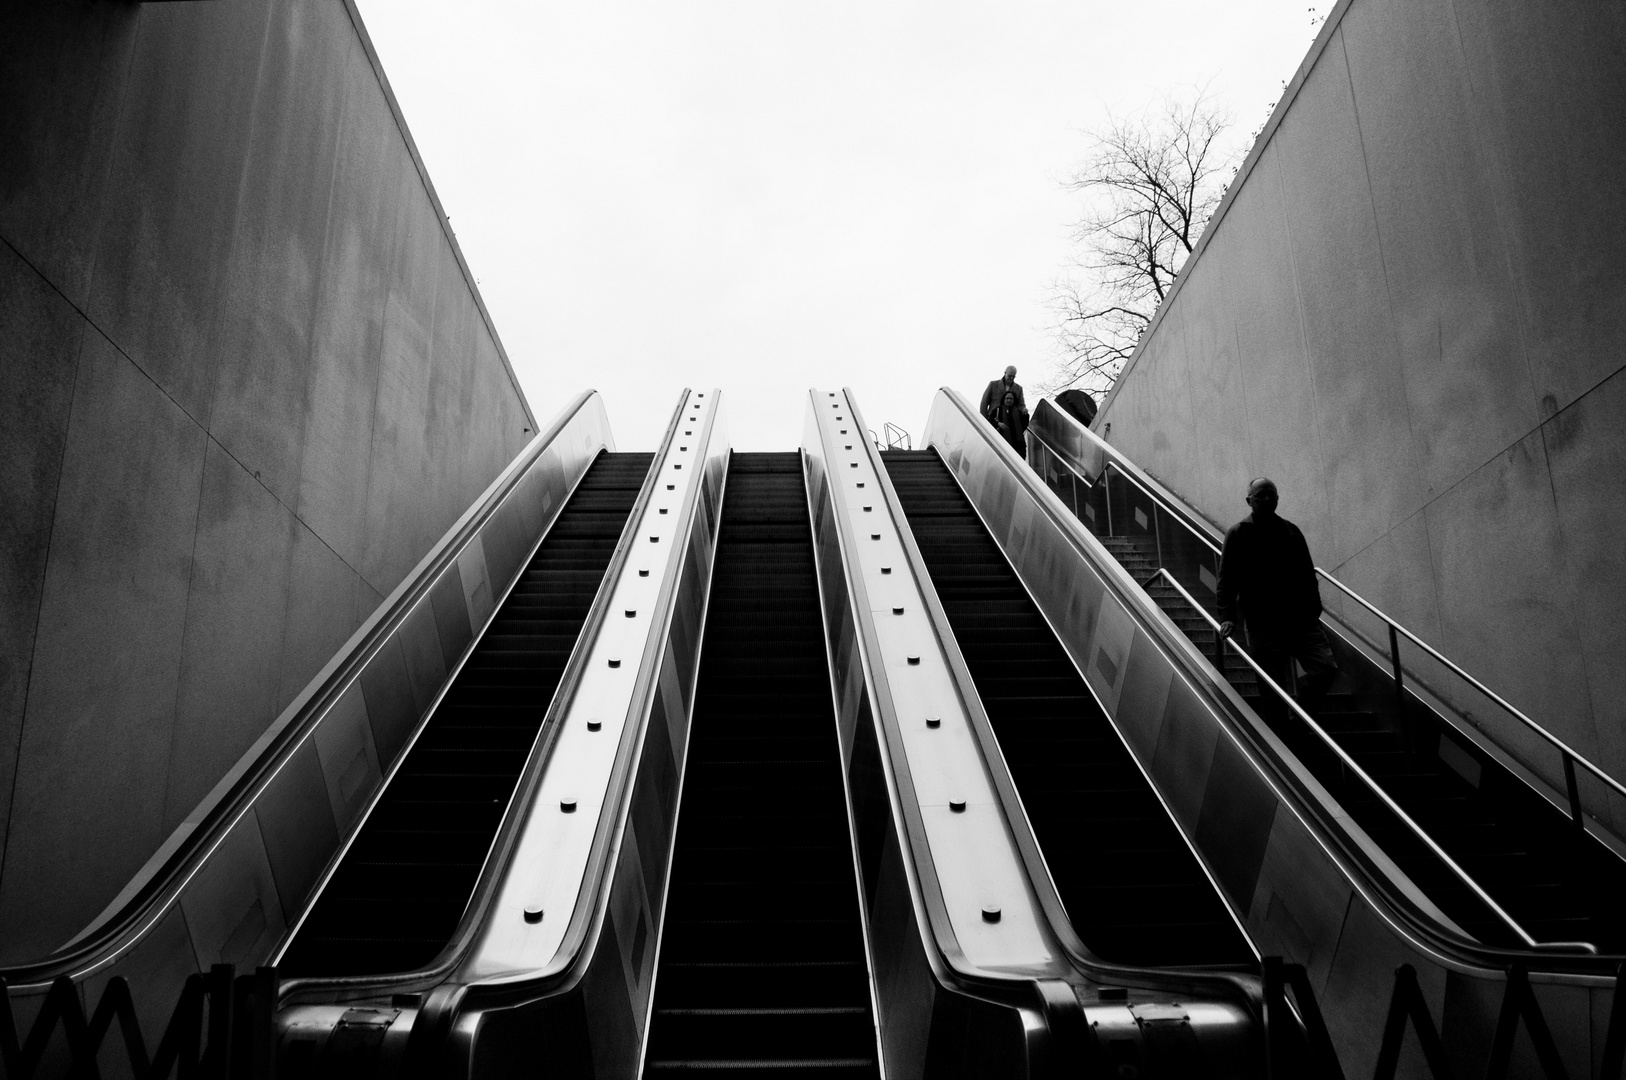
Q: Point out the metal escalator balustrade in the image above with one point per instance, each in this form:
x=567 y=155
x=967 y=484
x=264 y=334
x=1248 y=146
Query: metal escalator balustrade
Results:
x=1135 y=892
x=987 y=976
x=394 y=901
x=252 y=850
x=1471 y=827
x=762 y=963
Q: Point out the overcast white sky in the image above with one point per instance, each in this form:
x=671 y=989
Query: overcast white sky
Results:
x=769 y=196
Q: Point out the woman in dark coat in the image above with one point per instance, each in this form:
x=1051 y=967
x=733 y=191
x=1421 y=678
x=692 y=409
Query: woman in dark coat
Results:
x=1008 y=419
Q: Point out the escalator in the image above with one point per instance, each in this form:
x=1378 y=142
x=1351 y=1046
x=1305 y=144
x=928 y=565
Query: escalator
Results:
x=1134 y=891
x=396 y=898
x=762 y=966
x=1559 y=884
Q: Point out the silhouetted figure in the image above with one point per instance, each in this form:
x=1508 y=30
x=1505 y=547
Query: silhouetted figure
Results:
x=997 y=390
x=1079 y=403
x=1266 y=577
x=1011 y=422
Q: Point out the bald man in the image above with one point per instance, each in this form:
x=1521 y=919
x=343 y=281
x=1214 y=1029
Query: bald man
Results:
x=995 y=394
x=1267 y=581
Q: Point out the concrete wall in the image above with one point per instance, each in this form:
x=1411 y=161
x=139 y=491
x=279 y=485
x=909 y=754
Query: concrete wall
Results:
x=245 y=382
x=1411 y=312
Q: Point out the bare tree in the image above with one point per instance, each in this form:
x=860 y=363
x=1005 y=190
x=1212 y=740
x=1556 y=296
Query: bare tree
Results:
x=1151 y=183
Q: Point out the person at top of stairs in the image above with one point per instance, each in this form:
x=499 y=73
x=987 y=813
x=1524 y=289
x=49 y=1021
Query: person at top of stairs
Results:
x=1267 y=577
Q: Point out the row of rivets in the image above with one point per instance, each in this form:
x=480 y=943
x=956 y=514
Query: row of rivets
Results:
x=533 y=913
x=990 y=912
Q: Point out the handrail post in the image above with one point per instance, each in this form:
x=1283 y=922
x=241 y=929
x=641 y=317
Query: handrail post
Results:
x=1576 y=816
x=1614 y=1043
x=1275 y=1005
x=1394 y=661
x=1106 y=483
x=1157 y=534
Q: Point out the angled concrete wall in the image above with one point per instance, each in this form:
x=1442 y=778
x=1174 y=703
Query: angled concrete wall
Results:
x=1411 y=312
x=247 y=382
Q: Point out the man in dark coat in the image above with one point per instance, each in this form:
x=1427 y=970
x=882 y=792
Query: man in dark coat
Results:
x=1267 y=580
x=996 y=391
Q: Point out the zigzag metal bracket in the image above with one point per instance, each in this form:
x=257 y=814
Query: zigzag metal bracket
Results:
x=234 y=1006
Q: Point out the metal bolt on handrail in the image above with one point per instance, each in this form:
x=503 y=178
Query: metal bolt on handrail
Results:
x=1383 y=796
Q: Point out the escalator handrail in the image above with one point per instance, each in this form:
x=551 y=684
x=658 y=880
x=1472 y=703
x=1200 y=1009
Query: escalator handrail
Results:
x=925 y=882
x=157 y=884
x=512 y=822
x=579 y=943
x=1071 y=957
x=1351 y=765
x=1014 y=809
x=592 y=897
x=1045 y=413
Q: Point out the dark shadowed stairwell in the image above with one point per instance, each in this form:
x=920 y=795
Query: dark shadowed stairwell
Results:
x=762 y=970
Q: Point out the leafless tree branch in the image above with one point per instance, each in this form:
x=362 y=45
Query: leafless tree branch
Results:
x=1150 y=183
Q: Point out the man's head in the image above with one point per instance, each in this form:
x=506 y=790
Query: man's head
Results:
x=1262 y=496
x=1010 y=374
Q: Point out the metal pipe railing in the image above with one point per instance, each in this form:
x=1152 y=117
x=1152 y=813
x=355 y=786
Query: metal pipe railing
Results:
x=1351 y=766
x=1568 y=755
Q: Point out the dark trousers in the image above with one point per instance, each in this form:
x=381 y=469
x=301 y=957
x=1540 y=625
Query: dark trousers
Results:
x=1276 y=647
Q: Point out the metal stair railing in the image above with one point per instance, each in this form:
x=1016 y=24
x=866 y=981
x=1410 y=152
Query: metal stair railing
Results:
x=1047 y=418
x=1352 y=768
x=1571 y=758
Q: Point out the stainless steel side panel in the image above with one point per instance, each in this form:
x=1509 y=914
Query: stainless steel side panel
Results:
x=580 y=980
x=941 y=838
x=275 y=820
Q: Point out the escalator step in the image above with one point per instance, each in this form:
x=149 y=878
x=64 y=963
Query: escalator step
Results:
x=1133 y=890
x=395 y=901
x=762 y=968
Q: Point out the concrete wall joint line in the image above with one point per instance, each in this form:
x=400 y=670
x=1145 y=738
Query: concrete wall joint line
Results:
x=22 y=723
x=186 y=621
x=1304 y=334
x=107 y=169
x=91 y=324
x=1377 y=231
x=1503 y=230
x=440 y=211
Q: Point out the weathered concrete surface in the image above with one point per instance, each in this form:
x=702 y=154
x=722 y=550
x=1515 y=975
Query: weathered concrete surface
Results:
x=247 y=382
x=1411 y=312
